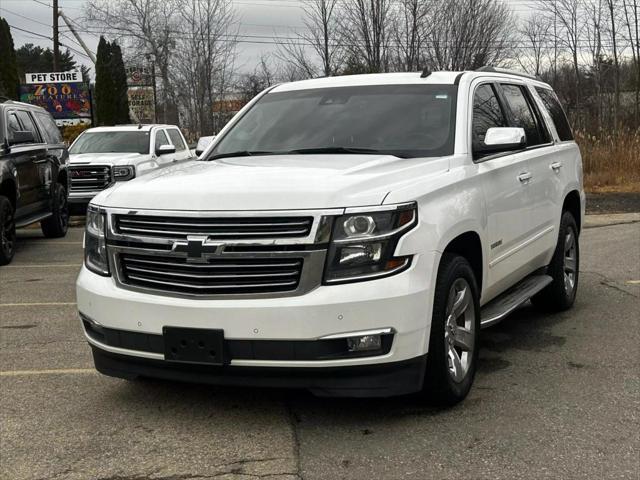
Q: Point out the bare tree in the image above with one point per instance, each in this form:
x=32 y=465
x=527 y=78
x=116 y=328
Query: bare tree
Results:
x=535 y=34
x=204 y=58
x=409 y=33
x=569 y=23
x=321 y=37
x=464 y=34
x=365 y=31
x=612 y=6
x=631 y=11
x=150 y=25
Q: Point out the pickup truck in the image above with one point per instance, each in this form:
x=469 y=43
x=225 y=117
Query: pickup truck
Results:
x=102 y=156
x=349 y=235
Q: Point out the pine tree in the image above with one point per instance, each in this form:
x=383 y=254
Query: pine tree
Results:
x=112 y=104
x=104 y=85
x=9 y=80
x=119 y=85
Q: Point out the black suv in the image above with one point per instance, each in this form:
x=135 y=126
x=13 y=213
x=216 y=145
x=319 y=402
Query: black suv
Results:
x=33 y=174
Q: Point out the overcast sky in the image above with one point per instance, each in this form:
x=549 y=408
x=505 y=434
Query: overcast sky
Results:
x=258 y=18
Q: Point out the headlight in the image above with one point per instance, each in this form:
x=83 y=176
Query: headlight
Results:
x=95 y=245
x=124 y=172
x=363 y=244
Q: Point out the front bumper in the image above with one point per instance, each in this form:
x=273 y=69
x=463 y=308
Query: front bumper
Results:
x=81 y=198
x=389 y=379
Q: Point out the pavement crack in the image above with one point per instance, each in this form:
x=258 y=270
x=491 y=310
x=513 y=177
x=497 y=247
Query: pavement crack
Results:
x=608 y=282
x=294 y=420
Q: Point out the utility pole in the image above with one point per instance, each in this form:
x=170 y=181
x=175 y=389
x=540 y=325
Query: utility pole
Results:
x=56 y=42
x=78 y=38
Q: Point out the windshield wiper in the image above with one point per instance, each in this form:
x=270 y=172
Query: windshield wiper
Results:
x=241 y=153
x=351 y=150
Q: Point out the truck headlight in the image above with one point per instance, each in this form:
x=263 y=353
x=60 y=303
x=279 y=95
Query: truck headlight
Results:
x=124 y=172
x=95 y=244
x=363 y=244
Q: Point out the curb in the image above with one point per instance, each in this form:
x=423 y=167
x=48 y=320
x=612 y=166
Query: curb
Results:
x=606 y=220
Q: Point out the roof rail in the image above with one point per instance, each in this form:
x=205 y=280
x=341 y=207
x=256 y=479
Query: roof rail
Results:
x=490 y=69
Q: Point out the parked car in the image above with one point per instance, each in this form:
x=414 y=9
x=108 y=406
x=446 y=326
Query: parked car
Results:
x=203 y=143
x=350 y=235
x=33 y=174
x=101 y=156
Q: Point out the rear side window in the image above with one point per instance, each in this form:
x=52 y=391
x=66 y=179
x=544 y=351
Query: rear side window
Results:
x=51 y=131
x=523 y=113
x=551 y=103
x=487 y=113
x=13 y=124
x=28 y=124
x=161 y=139
x=176 y=139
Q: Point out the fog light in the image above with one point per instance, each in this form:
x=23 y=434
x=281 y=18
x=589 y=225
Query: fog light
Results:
x=365 y=343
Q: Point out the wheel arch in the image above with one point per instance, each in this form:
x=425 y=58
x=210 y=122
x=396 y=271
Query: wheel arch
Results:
x=572 y=205
x=9 y=190
x=469 y=245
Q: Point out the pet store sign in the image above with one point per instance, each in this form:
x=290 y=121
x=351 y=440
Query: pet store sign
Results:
x=63 y=94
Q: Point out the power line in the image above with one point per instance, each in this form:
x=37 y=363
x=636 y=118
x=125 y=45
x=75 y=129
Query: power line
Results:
x=24 y=17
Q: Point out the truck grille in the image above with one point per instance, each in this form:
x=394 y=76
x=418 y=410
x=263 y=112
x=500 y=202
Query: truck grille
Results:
x=89 y=178
x=214 y=228
x=218 y=276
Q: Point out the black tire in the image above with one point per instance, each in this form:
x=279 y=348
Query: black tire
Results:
x=440 y=386
x=56 y=225
x=7 y=231
x=560 y=294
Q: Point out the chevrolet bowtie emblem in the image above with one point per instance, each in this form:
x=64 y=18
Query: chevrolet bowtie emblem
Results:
x=197 y=249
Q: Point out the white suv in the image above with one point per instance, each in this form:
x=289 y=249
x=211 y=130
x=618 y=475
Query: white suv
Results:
x=350 y=235
x=101 y=156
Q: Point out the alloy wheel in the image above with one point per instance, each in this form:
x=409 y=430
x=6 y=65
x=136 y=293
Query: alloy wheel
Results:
x=570 y=261
x=459 y=331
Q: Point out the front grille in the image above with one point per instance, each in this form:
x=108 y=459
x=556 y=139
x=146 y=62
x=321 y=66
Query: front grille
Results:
x=89 y=178
x=217 y=276
x=213 y=228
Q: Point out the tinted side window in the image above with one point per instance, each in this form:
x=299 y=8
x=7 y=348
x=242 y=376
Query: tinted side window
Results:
x=28 y=124
x=161 y=139
x=49 y=127
x=487 y=113
x=523 y=113
x=13 y=124
x=558 y=116
x=176 y=139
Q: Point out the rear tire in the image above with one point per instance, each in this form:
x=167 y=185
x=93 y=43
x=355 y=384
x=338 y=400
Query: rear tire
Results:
x=564 y=268
x=56 y=225
x=7 y=231
x=455 y=328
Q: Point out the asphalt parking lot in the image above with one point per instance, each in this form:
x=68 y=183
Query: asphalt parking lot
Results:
x=557 y=396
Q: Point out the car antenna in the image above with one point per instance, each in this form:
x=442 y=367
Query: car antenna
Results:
x=139 y=126
x=426 y=72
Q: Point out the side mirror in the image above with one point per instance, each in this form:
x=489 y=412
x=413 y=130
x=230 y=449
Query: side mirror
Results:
x=502 y=139
x=165 y=150
x=203 y=143
x=21 y=136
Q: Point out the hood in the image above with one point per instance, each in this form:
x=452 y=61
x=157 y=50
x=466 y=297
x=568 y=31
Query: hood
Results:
x=107 y=158
x=278 y=182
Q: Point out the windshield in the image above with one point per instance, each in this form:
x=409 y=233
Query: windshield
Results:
x=402 y=120
x=112 y=142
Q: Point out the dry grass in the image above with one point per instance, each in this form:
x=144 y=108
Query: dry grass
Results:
x=611 y=162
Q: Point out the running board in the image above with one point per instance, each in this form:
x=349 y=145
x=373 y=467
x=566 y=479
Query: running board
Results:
x=501 y=306
x=32 y=219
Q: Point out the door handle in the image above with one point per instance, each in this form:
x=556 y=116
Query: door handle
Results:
x=36 y=161
x=524 y=177
x=556 y=166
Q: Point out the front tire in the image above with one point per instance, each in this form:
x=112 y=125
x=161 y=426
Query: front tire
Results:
x=455 y=327
x=56 y=225
x=7 y=231
x=564 y=268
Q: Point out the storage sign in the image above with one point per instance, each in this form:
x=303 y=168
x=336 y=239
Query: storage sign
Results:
x=54 y=77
